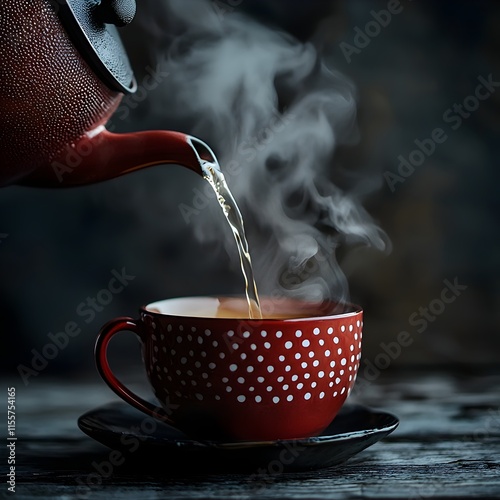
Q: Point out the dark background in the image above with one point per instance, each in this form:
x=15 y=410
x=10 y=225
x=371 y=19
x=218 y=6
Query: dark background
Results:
x=443 y=220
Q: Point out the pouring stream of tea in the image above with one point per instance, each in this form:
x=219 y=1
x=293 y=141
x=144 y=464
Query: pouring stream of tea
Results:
x=212 y=173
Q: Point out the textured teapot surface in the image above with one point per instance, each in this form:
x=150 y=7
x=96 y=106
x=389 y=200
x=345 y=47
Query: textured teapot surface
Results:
x=49 y=96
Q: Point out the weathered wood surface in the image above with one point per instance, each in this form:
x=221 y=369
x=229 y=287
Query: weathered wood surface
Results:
x=447 y=446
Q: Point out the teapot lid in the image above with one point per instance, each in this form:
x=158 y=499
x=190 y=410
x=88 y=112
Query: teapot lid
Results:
x=92 y=27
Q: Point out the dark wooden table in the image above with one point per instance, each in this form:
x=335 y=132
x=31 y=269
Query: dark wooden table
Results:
x=447 y=446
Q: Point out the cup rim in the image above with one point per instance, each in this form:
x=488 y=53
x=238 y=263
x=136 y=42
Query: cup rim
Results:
x=354 y=310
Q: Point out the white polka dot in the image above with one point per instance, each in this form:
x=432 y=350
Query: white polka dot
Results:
x=230 y=333
x=200 y=340
x=207 y=333
x=321 y=342
x=355 y=336
x=246 y=335
x=267 y=345
x=204 y=375
x=335 y=394
x=279 y=334
x=288 y=345
x=190 y=337
x=286 y=387
x=209 y=384
x=316 y=331
x=288 y=368
x=339 y=350
x=253 y=347
x=311 y=354
x=241 y=380
x=306 y=343
x=336 y=340
x=199 y=396
x=295 y=377
x=233 y=367
x=270 y=368
x=307 y=375
x=229 y=388
x=300 y=385
x=269 y=388
x=289 y=397
x=217 y=397
x=263 y=333
x=298 y=333
x=281 y=357
x=343 y=361
x=165 y=369
x=243 y=355
x=298 y=355
x=337 y=380
x=352 y=358
x=350 y=368
x=241 y=398
x=260 y=379
x=169 y=328
x=330 y=330
x=357 y=323
x=260 y=358
x=181 y=328
x=179 y=339
x=327 y=352
x=258 y=399
x=191 y=353
x=331 y=374
x=276 y=399
x=235 y=346
x=155 y=348
x=343 y=390
x=321 y=374
x=184 y=360
x=221 y=355
x=172 y=352
x=280 y=378
x=190 y=373
x=303 y=364
x=341 y=372
x=193 y=328
x=321 y=395
x=249 y=369
x=307 y=395
x=251 y=388
x=330 y=384
x=342 y=328
x=215 y=343
x=350 y=328
x=350 y=378
x=315 y=362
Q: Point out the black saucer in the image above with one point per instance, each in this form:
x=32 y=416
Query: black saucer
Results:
x=153 y=443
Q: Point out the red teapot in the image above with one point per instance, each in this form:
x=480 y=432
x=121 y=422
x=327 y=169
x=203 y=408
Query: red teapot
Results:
x=63 y=72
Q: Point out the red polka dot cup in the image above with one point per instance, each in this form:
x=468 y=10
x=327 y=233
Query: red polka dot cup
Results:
x=241 y=379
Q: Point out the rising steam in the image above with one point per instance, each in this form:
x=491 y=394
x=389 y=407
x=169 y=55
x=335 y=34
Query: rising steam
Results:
x=274 y=114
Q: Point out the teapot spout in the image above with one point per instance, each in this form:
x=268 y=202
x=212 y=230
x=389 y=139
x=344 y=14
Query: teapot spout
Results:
x=101 y=155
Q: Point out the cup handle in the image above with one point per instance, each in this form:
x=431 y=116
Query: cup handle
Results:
x=100 y=352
